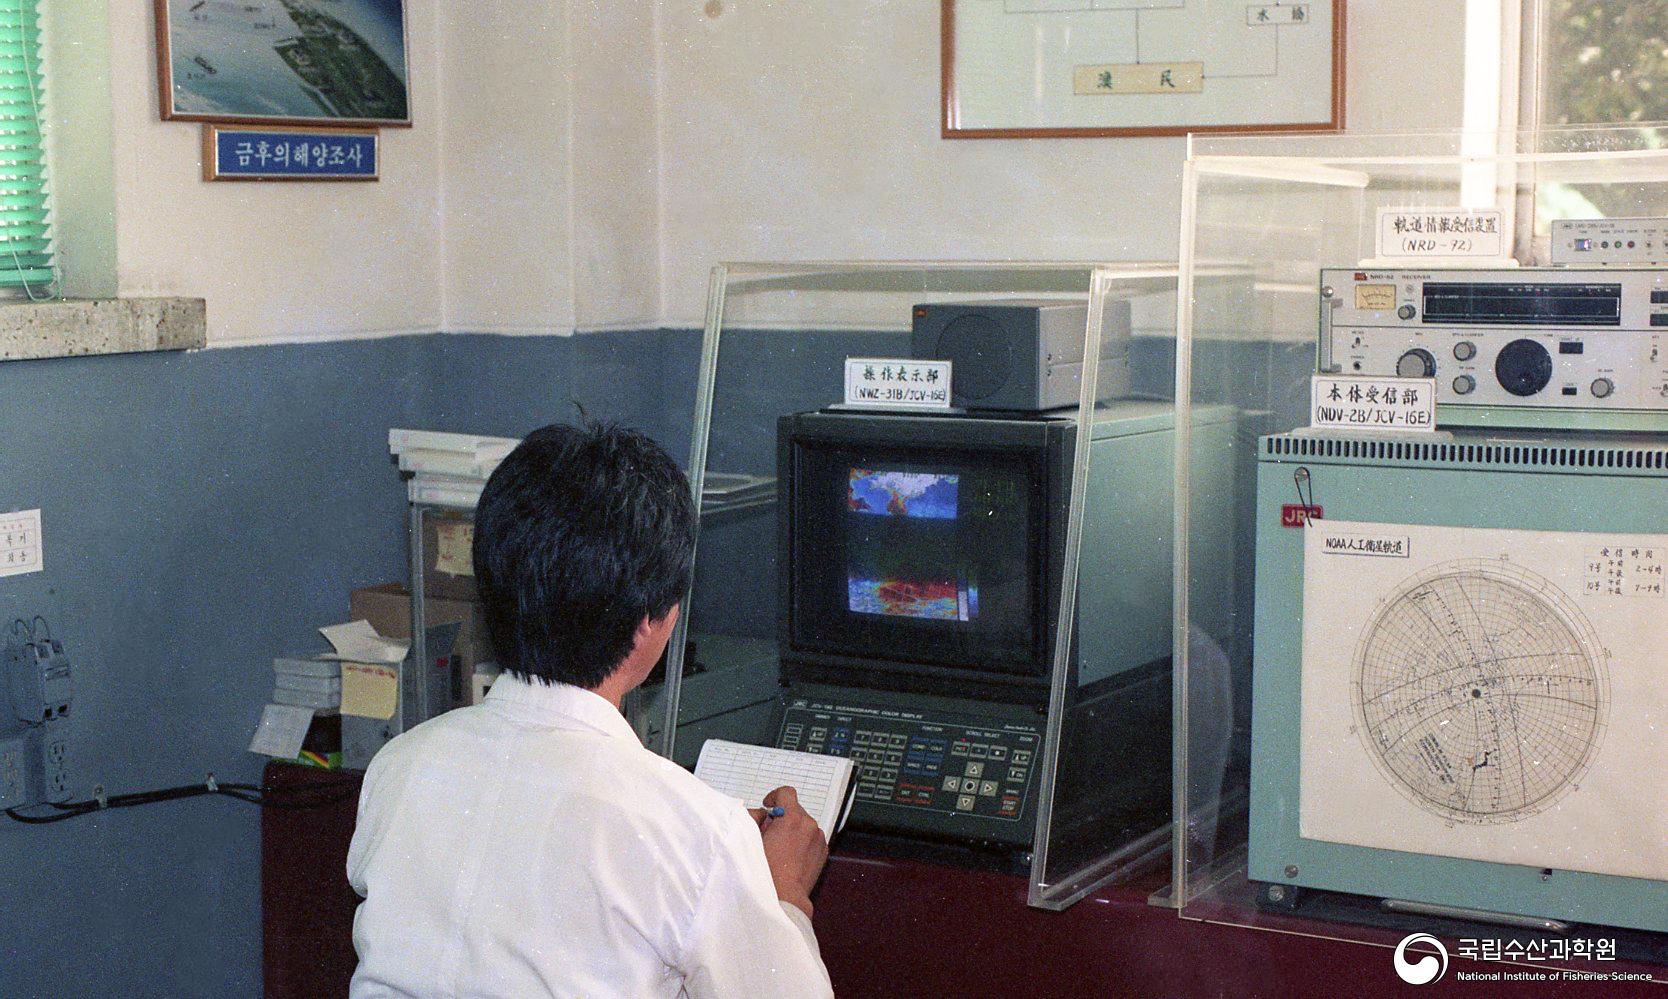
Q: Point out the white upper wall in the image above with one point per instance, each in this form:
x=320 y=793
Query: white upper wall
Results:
x=506 y=184
x=810 y=131
x=617 y=167
x=276 y=261
x=585 y=163
x=550 y=181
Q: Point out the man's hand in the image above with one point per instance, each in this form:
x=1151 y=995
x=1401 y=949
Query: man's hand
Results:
x=794 y=848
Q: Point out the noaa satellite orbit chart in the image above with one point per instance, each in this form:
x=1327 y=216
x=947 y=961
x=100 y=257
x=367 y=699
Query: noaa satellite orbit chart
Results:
x=1480 y=691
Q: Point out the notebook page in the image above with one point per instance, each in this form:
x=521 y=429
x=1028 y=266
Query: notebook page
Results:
x=750 y=772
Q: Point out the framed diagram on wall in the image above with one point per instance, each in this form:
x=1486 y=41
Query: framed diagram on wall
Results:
x=1070 y=68
x=296 y=62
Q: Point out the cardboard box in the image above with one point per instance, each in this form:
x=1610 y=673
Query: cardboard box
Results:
x=388 y=608
x=448 y=557
x=363 y=737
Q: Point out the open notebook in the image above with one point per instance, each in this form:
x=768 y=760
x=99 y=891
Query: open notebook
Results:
x=823 y=783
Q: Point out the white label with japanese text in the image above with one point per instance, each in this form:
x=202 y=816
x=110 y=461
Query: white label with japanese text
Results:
x=1625 y=570
x=20 y=542
x=1360 y=402
x=888 y=383
x=1371 y=545
x=1439 y=232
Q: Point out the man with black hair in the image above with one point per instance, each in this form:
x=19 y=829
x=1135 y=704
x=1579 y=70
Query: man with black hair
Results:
x=531 y=845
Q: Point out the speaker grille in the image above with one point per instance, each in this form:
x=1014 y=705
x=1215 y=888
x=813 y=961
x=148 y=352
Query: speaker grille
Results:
x=980 y=356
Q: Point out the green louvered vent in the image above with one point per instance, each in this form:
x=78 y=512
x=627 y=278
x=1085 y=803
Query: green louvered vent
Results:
x=25 y=224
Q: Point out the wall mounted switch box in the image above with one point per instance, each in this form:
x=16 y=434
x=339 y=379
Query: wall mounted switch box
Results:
x=34 y=759
x=40 y=678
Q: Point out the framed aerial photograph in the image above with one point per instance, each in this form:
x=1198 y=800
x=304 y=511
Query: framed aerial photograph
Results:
x=1019 y=69
x=294 y=62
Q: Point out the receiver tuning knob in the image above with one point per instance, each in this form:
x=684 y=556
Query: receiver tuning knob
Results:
x=1416 y=363
x=1523 y=367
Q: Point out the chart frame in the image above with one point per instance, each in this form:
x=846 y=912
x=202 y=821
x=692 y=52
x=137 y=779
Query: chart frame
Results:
x=951 y=126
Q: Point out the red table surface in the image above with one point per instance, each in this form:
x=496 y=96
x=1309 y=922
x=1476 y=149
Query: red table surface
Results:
x=892 y=927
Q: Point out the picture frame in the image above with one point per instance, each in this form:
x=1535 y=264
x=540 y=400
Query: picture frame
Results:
x=256 y=63
x=1035 y=79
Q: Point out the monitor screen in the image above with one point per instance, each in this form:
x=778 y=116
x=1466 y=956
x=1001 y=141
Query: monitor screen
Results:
x=921 y=576
x=916 y=555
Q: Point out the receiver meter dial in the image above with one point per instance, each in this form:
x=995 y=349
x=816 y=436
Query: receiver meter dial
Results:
x=1523 y=367
x=1416 y=363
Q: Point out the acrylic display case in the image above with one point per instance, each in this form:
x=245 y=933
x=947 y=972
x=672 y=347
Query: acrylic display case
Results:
x=1488 y=774
x=903 y=586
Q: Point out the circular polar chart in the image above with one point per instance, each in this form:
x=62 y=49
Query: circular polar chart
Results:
x=1480 y=690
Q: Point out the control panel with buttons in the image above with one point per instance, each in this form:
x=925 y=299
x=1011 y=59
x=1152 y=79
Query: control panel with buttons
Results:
x=1585 y=242
x=1586 y=346
x=927 y=761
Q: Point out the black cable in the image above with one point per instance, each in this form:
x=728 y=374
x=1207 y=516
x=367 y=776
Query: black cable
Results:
x=333 y=793
x=1307 y=505
x=17 y=816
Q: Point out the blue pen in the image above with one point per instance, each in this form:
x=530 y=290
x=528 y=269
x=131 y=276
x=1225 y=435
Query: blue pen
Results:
x=774 y=811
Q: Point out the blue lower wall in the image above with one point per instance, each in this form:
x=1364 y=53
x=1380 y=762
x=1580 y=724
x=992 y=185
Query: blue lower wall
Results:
x=505 y=386
x=203 y=512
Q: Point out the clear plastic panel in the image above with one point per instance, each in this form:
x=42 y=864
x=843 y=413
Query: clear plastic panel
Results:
x=1281 y=209
x=813 y=623
x=1102 y=789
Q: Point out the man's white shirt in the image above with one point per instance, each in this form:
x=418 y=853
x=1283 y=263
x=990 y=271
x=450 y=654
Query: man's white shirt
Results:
x=530 y=845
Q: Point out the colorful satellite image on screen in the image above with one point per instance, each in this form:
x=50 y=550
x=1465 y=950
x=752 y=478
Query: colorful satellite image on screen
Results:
x=941 y=601
x=903 y=494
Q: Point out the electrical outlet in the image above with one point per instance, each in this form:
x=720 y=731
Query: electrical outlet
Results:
x=47 y=763
x=57 y=766
x=13 y=787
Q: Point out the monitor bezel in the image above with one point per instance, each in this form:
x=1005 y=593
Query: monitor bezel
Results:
x=1046 y=443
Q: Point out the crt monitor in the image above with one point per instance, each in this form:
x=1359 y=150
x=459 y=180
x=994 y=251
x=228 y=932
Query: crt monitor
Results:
x=919 y=567
x=911 y=543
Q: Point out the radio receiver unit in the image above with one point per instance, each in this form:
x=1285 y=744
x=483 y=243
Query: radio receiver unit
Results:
x=1575 y=348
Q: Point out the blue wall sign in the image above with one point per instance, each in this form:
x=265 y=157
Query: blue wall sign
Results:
x=254 y=153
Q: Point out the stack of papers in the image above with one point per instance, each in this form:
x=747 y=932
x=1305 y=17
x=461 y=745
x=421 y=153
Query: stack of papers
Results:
x=447 y=469
x=307 y=683
x=358 y=642
x=303 y=686
x=822 y=783
x=450 y=470
x=732 y=491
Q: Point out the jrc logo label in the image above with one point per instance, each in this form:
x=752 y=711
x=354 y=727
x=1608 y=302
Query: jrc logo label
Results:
x=1296 y=515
